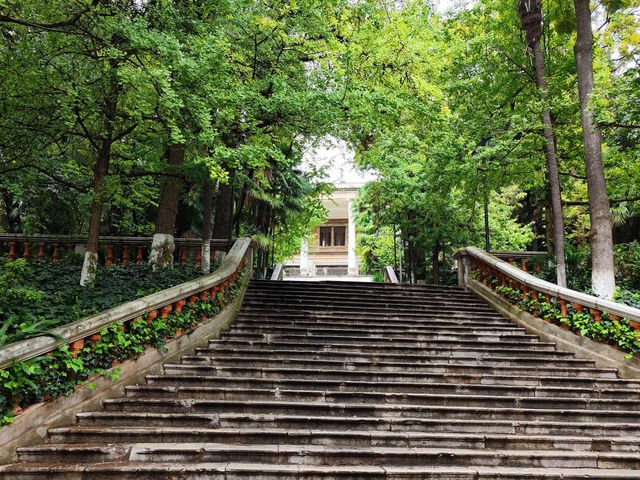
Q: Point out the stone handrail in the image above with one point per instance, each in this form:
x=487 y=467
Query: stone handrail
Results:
x=389 y=275
x=472 y=258
x=278 y=272
x=115 y=249
x=163 y=302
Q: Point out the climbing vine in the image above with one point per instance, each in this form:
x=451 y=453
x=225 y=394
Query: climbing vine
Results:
x=61 y=371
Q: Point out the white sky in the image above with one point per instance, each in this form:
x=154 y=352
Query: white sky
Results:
x=337 y=159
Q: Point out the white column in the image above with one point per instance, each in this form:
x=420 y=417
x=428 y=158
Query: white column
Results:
x=304 y=258
x=351 y=243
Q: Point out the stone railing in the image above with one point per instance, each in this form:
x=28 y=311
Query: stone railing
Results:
x=157 y=305
x=476 y=264
x=278 y=272
x=113 y=250
x=521 y=259
x=389 y=275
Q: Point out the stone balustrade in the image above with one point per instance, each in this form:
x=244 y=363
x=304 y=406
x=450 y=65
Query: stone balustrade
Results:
x=151 y=307
x=474 y=263
x=113 y=250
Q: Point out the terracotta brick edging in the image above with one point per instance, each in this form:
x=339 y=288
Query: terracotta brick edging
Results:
x=31 y=426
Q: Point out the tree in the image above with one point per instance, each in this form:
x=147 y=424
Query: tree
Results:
x=601 y=236
x=530 y=12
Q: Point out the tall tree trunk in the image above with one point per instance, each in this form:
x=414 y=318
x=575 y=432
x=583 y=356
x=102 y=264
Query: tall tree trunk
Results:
x=100 y=170
x=548 y=217
x=530 y=12
x=224 y=210
x=207 y=203
x=601 y=234
x=163 y=245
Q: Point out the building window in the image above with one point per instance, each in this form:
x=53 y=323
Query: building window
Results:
x=333 y=236
x=325 y=236
x=339 y=236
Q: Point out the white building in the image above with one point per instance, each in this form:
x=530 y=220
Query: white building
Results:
x=331 y=248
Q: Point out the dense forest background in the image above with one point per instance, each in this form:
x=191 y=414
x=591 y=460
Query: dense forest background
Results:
x=190 y=118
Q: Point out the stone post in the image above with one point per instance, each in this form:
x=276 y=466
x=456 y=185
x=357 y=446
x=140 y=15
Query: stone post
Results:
x=351 y=243
x=304 y=258
x=464 y=266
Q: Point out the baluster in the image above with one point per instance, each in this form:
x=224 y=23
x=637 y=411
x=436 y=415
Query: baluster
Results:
x=76 y=347
x=596 y=314
x=12 y=251
x=125 y=255
x=70 y=248
x=563 y=307
x=577 y=307
x=510 y=260
x=183 y=256
x=204 y=295
x=524 y=264
x=151 y=316
x=56 y=252
x=164 y=312
x=109 y=259
x=139 y=256
x=198 y=259
x=179 y=305
x=26 y=254
x=41 y=246
x=193 y=299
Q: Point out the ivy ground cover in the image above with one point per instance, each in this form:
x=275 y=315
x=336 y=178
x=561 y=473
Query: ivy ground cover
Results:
x=38 y=295
x=63 y=370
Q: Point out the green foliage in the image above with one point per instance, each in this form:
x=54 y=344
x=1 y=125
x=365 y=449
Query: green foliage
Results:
x=61 y=372
x=39 y=295
x=618 y=333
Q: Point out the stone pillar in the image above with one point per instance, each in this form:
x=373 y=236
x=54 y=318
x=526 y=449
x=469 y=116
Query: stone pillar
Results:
x=304 y=258
x=351 y=243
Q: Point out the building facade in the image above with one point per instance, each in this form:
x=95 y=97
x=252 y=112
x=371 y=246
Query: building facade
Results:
x=331 y=248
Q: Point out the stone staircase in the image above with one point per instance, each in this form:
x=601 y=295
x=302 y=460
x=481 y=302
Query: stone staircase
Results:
x=351 y=380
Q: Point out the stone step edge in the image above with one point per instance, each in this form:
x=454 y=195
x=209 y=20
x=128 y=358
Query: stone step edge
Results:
x=291 y=472
x=190 y=403
x=373 y=434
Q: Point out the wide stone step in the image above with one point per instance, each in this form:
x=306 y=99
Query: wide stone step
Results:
x=311 y=368
x=376 y=375
x=547 y=352
x=396 y=367
x=417 y=334
x=413 y=316
x=371 y=308
x=337 y=339
x=359 y=438
x=386 y=296
x=377 y=397
x=440 y=304
x=376 y=325
x=355 y=287
x=326 y=455
x=250 y=471
x=366 y=410
x=564 y=427
x=184 y=389
x=208 y=356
